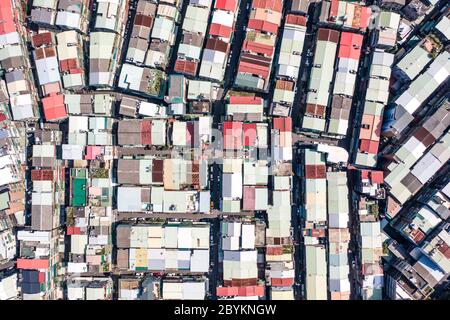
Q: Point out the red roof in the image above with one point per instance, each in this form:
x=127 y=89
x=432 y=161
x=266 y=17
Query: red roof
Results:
x=75 y=71
x=365 y=17
x=350 y=45
x=220 y=30
x=73 y=230
x=296 y=20
x=190 y=133
x=334 y=8
x=6 y=18
x=417 y=235
x=92 y=152
x=316 y=109
x=249 y=198
x=318 y=233
x=186 y=67
x=247 y=67
x=258 y=48
x=32 y=264
x=274 y=251
x=368 y=146
x=226 y=291
x=364 y=174
x=245 y=100
x=41 y=175
x=146 y=132
x=377 y=128
x=249 y=134
x=377 y=176
x=41 y=39
x=282 y=124
x=282 y=282
x=232 y=135
x=445 y=250
x=274 y=5
x=243 y=291
x=250 y=291
x=227 y=5
x=262 y=25
x=41 y=277
x=372 y=269
x=54 y=108
x=315 y=171
x=68 y=64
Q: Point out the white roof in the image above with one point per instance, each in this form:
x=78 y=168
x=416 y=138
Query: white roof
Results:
x=211 y=70
x=232 y=185
x=414 y=61
x=42 y=199
x=151 y=110
x=22 y=107
x=444 y=27
x=313 y=123
x=196 y=19
x=200 y=261
x=183 y=290
x=321 y=73
x=222 y=17
x=68 y=19
x=6 y=176
x=9 y=38
x=426 y=168
x=129 y=199
x=78 y=124
x=43 y=237
x=163 y=28
x=107 y=15
x=44 y=150
x=383 y=58
x=189 y=51
x=78 y=243
x=248 y=236
x=334 y=154
x=72 y=152
x=47 y=70
x=67 y=45
x=76 y=267
x=8 y=287
x=422 y=87
x=101 y=45
x=130 y=77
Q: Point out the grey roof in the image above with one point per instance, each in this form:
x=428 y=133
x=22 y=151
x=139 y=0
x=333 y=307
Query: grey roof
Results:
x=300 y=5
x=402 y=119
x=42 y=217
x=70 y=5
x=41 y=15
x=123 y=235
x=146 y=8
x=399 y=2
x=128 y=107
x=128 y=171
x=15 y=75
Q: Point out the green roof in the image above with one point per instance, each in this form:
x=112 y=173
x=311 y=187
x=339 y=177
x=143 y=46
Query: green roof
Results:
x=247 y=81
x=79 y=192
x=79 y=173
x=141 y=268
x=4 y=199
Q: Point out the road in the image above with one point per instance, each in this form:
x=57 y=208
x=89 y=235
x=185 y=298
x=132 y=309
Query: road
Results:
x=236 y=45
x=300 y=138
